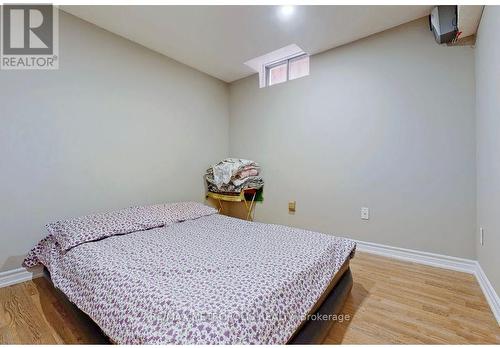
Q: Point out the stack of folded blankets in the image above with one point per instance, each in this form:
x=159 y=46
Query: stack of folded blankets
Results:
x=233 y=175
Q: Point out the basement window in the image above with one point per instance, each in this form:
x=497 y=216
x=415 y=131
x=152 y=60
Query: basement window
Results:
x=288 y=69
x=277 y=73
x=285 y=64
x=298 y=67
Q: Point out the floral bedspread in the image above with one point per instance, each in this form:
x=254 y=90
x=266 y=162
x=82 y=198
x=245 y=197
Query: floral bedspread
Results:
x=209 y=280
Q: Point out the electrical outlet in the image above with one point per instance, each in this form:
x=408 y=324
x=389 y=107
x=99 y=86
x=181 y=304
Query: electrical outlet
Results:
x=291 y=207
x=365 y=213
x=481 y=236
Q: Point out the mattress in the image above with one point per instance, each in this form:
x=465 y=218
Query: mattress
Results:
x=209 y=280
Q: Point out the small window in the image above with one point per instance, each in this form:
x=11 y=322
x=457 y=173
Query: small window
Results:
x=288 y=69
x=277 y=73
x=298 y=67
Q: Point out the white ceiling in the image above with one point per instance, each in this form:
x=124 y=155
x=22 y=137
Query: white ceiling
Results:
x=219 y=39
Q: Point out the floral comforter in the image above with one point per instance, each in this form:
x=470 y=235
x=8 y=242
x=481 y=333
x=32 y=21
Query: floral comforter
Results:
x=207 y=280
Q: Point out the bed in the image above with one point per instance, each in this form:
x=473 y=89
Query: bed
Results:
x=183 y=274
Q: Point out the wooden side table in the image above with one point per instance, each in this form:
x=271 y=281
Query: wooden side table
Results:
x=249 y=204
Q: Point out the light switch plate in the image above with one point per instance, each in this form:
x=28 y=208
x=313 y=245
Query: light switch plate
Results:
x=365 y=213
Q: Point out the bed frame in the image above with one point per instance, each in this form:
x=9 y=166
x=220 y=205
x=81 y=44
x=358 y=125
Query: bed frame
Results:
x=310 y=331
x=331 y=302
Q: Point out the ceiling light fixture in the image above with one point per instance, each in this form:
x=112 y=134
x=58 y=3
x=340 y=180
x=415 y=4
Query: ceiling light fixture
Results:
x=286 y=12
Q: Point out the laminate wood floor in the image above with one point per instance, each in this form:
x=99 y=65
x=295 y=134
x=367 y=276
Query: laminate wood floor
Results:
x=391 y=302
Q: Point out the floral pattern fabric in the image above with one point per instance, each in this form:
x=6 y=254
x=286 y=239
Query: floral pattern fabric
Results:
x=233 y=175
x=72 y=232
x=208 y=280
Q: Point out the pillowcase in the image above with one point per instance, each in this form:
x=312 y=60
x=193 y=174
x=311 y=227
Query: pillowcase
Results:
x=73 y=232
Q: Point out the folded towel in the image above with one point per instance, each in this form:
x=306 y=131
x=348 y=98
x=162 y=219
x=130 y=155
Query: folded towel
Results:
x=224 y=171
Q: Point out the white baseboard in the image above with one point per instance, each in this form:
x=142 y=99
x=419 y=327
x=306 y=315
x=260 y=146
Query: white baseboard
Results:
x=440 y=261
x=422 y=257
x=489 y=292
x=19 y=275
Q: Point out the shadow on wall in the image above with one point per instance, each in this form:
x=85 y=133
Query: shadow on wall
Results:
x=13 y=262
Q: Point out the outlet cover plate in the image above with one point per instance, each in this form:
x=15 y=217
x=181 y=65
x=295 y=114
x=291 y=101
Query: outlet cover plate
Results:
x=365 y=213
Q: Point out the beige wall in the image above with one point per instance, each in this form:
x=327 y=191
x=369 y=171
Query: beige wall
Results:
x=488 y=142
x=116 y=125
x=387 y=123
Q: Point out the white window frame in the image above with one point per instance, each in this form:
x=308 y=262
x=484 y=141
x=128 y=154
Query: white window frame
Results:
x=274 y=65
x=268 y=67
